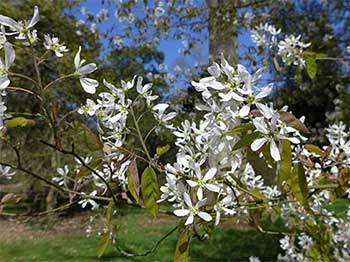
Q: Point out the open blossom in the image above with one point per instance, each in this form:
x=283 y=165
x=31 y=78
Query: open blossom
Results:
x=291 y=50
x=5 y=171
x=62 y=174
x=4 y=66
x=53 y=43
x=22 y=27
x=203 y=182
x=90 y=201
x=89 y=85
x=192 y=211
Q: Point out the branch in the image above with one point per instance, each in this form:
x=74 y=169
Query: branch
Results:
x=72 y=152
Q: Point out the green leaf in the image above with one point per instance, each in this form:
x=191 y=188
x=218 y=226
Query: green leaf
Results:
x=246 y=140
x=314 y=149
x=241 y=128
x=109 y=213
x=276 y=65
x=311 y=66
x=134 y=180
x=161 y=150
x=10 y=199
x=286 y=162
x=294 y=122
x=182 y=253
x=84 y=171
x=299 y=184
x=150 y=190
x=102 y=244
x=19 y=122
x=87 y=137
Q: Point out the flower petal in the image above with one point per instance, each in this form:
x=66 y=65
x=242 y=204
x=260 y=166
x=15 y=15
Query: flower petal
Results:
x=205 y=216
x=244 y=111
x=87 y=69
x=77 y=59
x=9 y=55
x=189 y=220
x=187 y=199
x=89 y=85
x=4 y=82
x=35 y=17
x=212 y=188
x=275 y=153
x=258 y=143
x=210 y=174
x=181 y=212
x=192 y=183
x=7 y=21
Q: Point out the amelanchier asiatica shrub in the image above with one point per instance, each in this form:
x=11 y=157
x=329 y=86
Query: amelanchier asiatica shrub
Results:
x=244 y=159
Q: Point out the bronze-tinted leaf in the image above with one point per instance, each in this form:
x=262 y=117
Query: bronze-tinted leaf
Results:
x=294 y=122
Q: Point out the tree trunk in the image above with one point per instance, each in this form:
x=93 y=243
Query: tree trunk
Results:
x=223 y=35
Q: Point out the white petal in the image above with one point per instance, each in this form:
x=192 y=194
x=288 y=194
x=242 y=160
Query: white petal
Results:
x=264 y=92
x=4 y=82
x=294 y=140
x=212 y=188
x=7 y=21
x=87 y=69
x=200 y=193
x=187 y=199
x=205 y=216
x=192 y=183
x=77 y=59
x=89 y=85
x=260 y=124
x=181 y=212
x=258 y=143
x=210 y=174
x=265 y=110
x=35 y=17
x=9 y=55
x=275 y=153
x=160 y=107
x=244 y=111
x=189 y=220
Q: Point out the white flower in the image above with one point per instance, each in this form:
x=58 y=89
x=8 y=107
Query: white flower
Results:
x=145 y=91
x=89 y=108
x=21 y=27
x=53 y=43
x=62 y=173
x=5 y=171
x=4 y=67
x=203 y=182
x=192 y=211
x=88 y=200
x=291 y=50
x=88 y=84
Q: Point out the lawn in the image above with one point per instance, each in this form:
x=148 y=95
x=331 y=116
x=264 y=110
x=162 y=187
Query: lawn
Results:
x=138 y=233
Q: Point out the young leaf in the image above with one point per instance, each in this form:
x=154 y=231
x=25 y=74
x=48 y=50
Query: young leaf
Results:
x=294 y=122
x=10 y=199
x=109 y=213
x=19 y=122
x=150 y=190
x=102 y=244
x=299 y=184
x=286 y=162
x=134 y=180
x=311 y=66
x=241 y=128
x=84 y=171
x=246 y=140
x=161 y=150
x=314 y=149
x=182 y=253
x=87 y=137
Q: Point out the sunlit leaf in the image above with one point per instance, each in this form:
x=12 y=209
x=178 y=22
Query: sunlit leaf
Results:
x=150 y=190
x=299 y=184
x=246 y=140
x=286 y=162
x=19 y=122
x=182 y=253
x=161 y=150
x=314 y=149
x=241 y=128
x=109 y=213
x=103 y=243
x=311 y=66
x=134 y=180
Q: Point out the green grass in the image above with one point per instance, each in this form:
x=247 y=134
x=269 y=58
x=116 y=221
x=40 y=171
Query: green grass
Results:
x=137 y=234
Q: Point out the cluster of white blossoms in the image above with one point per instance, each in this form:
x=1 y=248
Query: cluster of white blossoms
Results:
x=290 y=48
x=226 y=164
